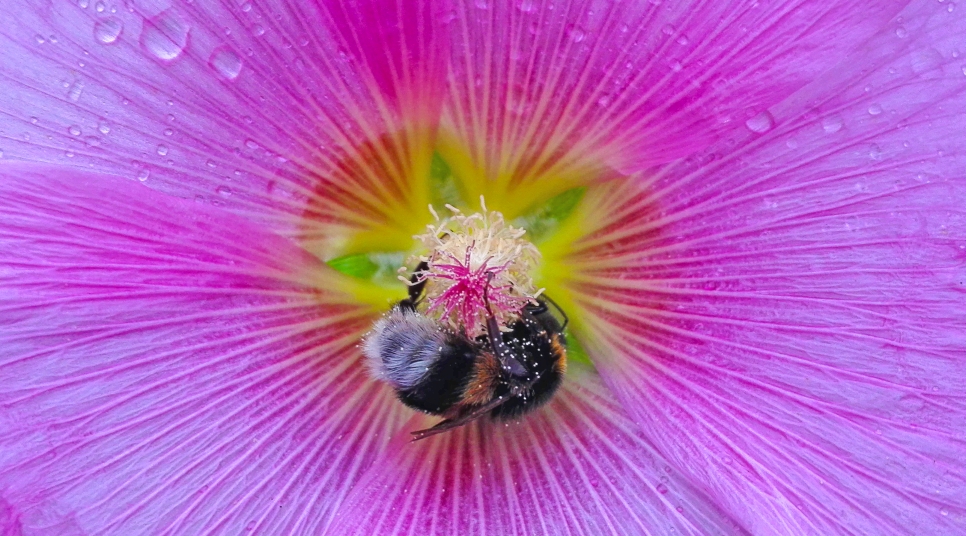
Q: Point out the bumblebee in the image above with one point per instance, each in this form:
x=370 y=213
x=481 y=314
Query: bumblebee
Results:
x=439 y=371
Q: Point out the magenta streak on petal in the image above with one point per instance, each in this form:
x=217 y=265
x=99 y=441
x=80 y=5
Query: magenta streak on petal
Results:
x=398 y=45
x=788 y=327
x=576 y=467
x=166 y=368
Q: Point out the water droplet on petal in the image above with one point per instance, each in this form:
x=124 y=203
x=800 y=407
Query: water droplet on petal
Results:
x=162 y=150
x=83 y=4
x=103 y=126
x=875 y=109
x=99 y=7
x=832 y=124
x=875 y=152
x=74 y=130
x=577 y=35
x=223 y=191
x=143 y=175
x=251 y=144
x=75 y=91
x=107 y=31
x=527 y=6
x=762 y=122
x=246 y=7
x=225 y=62
x=40 y=39
x=165 y=36
x=901 y=32
x=661 y=488
x=944 y=512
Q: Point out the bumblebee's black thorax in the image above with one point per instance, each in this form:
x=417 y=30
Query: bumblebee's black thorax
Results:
x=542 y=352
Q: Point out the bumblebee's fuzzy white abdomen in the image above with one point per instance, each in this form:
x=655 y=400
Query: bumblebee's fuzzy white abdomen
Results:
x=401 y=347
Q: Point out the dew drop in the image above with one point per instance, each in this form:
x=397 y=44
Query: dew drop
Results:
x=108 y=30
x=165 y=36
x=103 y=127
x=34 y=120
x=168 y=132
x=875 y=109
x=40 y=39
x=143 y=175
x=901 y=32
x=83 y=4
x=99 y=7
x=225 y=62
x=246 y=7
x=527 y=6
x=162 y=150
x=210 y=163
x=661 y=488
x=74 y=130
x=760 y=123
x=875 y=152
x=258 y=30
x=75 y=91
x=944 y=512
x=223 y=191
x=832 y=124
x=251 y=144
x=577 y=35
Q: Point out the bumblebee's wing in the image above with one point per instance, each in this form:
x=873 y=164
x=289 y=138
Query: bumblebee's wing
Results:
x=449 y=424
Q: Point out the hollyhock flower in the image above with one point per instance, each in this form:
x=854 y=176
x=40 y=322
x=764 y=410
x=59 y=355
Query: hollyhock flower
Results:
x=752 y=213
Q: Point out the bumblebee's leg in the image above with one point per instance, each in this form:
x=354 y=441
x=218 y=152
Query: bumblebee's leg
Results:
x=416 y=287
x=456 y=422
x=516 y=389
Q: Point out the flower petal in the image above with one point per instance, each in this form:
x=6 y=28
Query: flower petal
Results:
x=167 y=369
x=549 y=90
x=578 y=466
x=784 y=318
x=260 y=107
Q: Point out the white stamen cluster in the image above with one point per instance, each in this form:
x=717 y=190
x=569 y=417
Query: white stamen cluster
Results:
x=475 y=259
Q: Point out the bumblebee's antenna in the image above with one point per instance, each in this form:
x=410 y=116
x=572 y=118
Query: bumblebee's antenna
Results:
x=559 y=310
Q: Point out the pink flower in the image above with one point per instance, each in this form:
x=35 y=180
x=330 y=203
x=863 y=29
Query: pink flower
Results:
x=752 y=212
